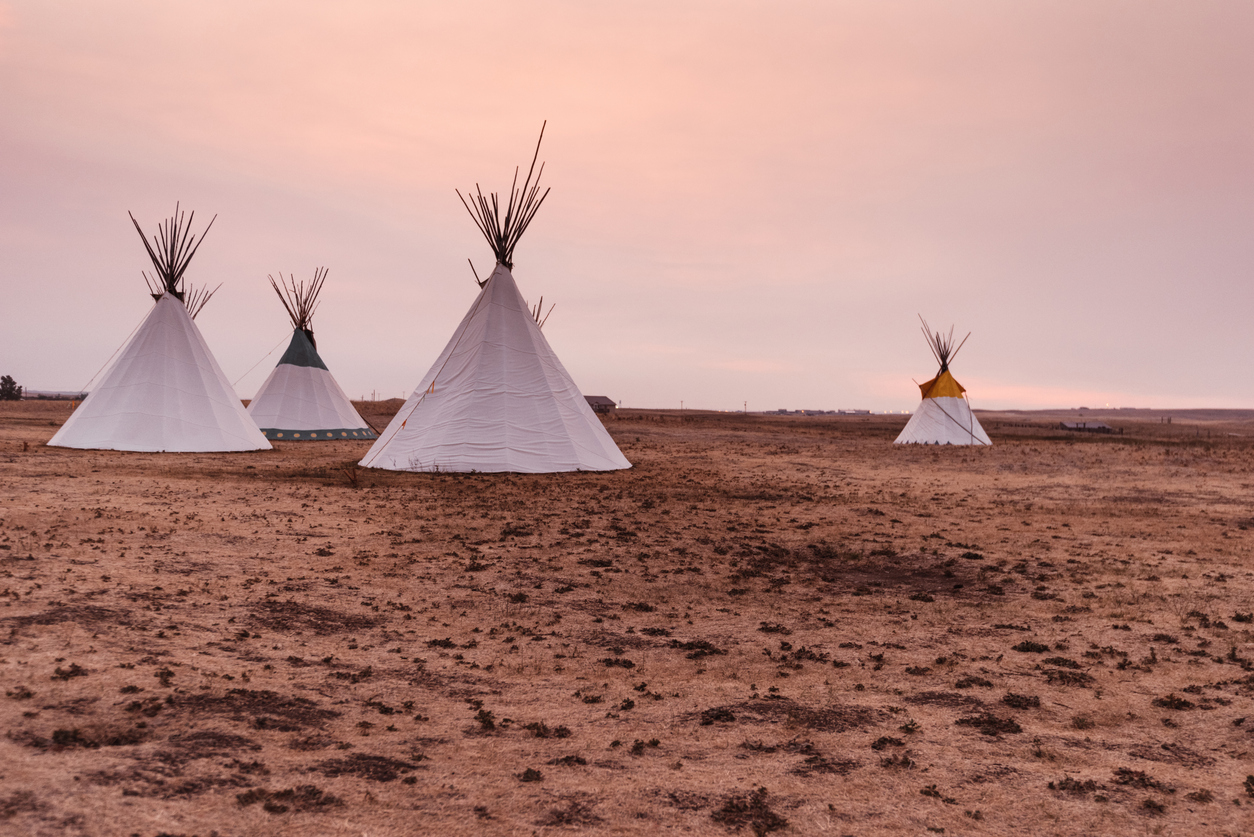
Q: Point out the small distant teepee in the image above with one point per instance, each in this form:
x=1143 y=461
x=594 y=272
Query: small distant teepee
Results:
x=165 y=391
x=301 y=401
x=497 y=398
x=944 y=417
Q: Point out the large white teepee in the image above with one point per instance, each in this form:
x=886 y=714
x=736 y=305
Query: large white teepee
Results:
x=944 y=417
x=497 y=398
x=301 y=401
x=165 y=392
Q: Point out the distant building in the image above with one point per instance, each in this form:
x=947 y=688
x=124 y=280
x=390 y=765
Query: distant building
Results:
x=1086 y=426
x=600 y=403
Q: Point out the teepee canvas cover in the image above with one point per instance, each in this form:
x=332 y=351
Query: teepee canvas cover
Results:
x=944 y=417
x=301 y=401
x=165 y=392
x=497 y=398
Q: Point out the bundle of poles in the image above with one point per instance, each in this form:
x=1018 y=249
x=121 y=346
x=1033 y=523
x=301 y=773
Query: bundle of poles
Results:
x=942 y=346
x=299 y=299
x=171 y=252
x=503 y=230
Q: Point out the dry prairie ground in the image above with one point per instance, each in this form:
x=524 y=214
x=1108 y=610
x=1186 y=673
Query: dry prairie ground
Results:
x=768 y=625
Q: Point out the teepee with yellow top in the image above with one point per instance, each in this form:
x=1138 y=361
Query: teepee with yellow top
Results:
x=944 y=417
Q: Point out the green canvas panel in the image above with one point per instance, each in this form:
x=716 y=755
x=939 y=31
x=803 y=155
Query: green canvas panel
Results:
x=300 y=352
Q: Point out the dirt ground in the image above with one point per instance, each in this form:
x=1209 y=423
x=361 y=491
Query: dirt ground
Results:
x=768 y=625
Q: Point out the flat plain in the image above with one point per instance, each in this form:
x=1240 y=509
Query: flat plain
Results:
x=769 y=625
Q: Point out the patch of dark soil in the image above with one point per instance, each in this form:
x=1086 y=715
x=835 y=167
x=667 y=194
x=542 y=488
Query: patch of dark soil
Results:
x=609 y=764
x=1062 y=662
x=759 y=747
x=909 y=574
x=354 y=676
x=816 y=764
x=268 y=710
x=608 y=639
x=109 y=778
x=1173 y=701
x=212 y=743
x=203 y=745
x=617 y=662
x=374 y=768
x=990 y=724
x=79 y=706
x=1075 y=787
x=717 y=715
x=194 y=787
x=883 y=569
x=1139 y=779
x=751 y=809
x=86 y=738
x=1015 y=701
x=697 y=649
x=69 y=672
x=248 y=767
x=300 y=798
x=312 y=742
x=831 y=718
x=1171 y=754
x=972 y=681
x=945 y=699
x=438 y=682
x=85 y=615
x=575 y=813
x=1067 y=677
x=153 y=778
x=686 y=800
x=19 y=802
x=542 y=730
x=292 y=616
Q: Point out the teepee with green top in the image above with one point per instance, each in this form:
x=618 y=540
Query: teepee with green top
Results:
x=301 y=401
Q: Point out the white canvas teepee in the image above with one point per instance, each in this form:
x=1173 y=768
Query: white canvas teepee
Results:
x=165 y=391
x=944 y=417
x=498 y=398
x=300 y=400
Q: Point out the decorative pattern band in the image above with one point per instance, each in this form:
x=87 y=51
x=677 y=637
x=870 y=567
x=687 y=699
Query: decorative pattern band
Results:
x=340 y=433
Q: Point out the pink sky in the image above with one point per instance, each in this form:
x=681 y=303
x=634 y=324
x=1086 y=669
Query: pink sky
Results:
x=751 y=201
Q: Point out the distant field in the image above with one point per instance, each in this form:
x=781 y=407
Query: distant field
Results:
x=777 y=625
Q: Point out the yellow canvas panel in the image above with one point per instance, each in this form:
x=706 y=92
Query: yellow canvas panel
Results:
x=942 y=386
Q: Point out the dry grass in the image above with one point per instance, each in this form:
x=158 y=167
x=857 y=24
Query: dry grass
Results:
x=769 y=625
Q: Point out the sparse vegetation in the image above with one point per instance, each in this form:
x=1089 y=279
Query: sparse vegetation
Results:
x=9 y=390
x=780 y=610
